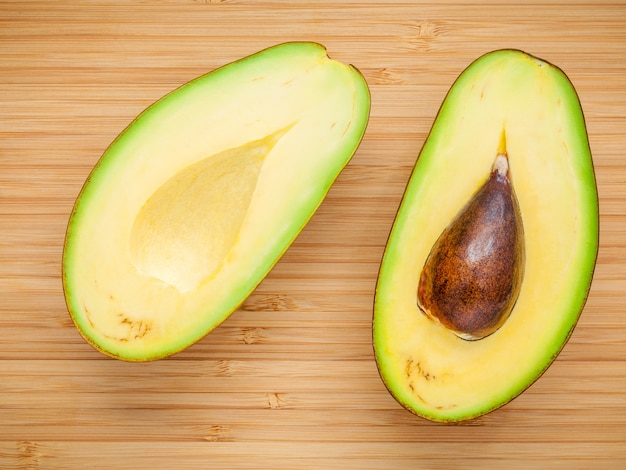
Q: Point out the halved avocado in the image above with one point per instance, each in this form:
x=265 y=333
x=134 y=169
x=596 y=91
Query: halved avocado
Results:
x=522 y=113
x=192 y=205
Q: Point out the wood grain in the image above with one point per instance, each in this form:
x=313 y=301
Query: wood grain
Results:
x=289 y=381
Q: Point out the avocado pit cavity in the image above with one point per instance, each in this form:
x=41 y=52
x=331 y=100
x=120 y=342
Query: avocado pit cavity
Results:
x=472 y=276
x=185 y=229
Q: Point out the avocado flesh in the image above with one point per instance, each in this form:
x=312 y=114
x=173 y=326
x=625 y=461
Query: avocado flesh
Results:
x=193 y=203
x=426 y=367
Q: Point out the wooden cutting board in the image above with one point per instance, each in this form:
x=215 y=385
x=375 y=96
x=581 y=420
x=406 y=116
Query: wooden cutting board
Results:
x=289 y=381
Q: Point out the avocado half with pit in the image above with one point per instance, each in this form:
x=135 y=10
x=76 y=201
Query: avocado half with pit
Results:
x=491 y=255
x=193 y=204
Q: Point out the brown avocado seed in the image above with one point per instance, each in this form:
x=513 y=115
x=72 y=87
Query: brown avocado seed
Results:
x=472 y=276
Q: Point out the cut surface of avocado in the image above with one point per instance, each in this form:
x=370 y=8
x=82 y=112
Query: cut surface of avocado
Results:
x=197 y=199
x=428 y=368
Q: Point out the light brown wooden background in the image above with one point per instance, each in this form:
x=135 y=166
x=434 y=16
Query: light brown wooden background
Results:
x=289 y=381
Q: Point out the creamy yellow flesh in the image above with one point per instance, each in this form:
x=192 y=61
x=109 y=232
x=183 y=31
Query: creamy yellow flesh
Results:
x=429 y=369
x=193 y=204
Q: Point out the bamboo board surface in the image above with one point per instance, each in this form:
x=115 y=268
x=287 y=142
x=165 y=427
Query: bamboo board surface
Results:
x=289 y=381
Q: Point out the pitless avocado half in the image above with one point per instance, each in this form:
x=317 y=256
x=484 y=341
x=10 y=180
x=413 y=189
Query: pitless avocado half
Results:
x=492 y=251
x=193 y=204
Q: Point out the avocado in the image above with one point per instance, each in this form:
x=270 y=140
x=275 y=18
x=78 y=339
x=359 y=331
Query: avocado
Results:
x=196 y=200
x=492 y=251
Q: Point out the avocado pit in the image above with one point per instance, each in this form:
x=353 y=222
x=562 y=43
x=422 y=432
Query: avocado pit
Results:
x=472 y=276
